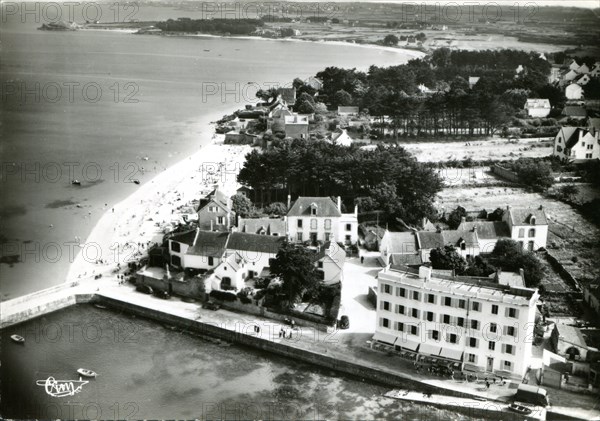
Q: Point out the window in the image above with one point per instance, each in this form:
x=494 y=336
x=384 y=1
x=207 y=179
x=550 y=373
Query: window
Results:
x=220 y=220
x=463 y=245
x=384 y=305
x=429 y=316
x=521 y=232
x=348 y=227
x=400 y=292
x=509 y=330
x=328 y=224
x=588 y=155
x=493 y=327
x=415 y=313
x=532 y=220
x=476 y=306
x=414 y=330
x=583 y=144
x=530 y=245
x=348 y=238
x=475 y=324
x=400 y=309
x=384 y=322
x=431 y=298
x=327 y=236
x=448 y=301
x=590 y=146
x=494 y=309
x=320 y=265
x=399 y=326
x=446 y=319
x=176 y=260
x=452 y=338
x=460 y=321
x=313 y=224
x=491 y=345
x=511 y=312
x=299 y=223
x=313 y=210
x=211 y=261
x=509 y=349
x=559 y=139
x=434 y=334
x=299 y=236
x=473 y=342
x=521 y=245
x=507 y=365
x=462 y=304
x=416 y=296
x=387 y=289
x=175 y=247
x=472 y=358
x=532 y=232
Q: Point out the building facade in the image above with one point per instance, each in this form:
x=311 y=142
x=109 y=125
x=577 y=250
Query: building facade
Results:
x=483 y=325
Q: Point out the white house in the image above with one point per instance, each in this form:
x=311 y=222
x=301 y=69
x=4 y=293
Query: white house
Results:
x=537 y=107
x=595 y=72
x=397 y=243
x=570 y=75
x=473 y=81
x=574 y=65
x=528 y=227
x=316 y=219
x=329 y=261
x=347 y=111
x=197 y=249
x=257 y=250
x=583 y=69
x=464 y=242
x=574 y=91
x=583 y=80
x=315 y=83
x=341 y=137
x=480 y=324
x=577 y=143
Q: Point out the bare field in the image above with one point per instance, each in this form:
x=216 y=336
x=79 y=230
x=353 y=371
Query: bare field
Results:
x=479 y=150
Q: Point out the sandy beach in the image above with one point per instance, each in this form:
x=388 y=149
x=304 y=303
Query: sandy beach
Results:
x=128 y=228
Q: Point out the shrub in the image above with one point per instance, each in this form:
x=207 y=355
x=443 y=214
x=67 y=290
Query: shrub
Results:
x=244 y=298
x=261 y=283
x=223 y=296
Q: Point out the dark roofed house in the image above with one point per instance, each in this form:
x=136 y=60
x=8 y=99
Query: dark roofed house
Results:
x=263 y=226
x=409 y=260
x=488 y=233
x=577 y=144
x=397 y=243
x=317 y=206
x=464 y=242
x=574 y=111
x=527 y=216
x=255 y=249
x=197 y=249
x=528 y=226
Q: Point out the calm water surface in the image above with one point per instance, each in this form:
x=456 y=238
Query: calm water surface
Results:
x=149 y=371
x=93 y=105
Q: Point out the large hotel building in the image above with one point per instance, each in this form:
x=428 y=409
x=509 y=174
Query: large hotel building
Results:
x=480 y=323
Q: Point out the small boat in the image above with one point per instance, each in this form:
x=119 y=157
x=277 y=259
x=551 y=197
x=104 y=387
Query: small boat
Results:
x=86 y=373
x=17 y=338
x=76 y=182
x=519 y=409
x=136 y=181
x=100 y=306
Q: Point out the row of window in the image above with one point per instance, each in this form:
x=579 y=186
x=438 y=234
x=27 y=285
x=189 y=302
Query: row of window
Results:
x=444 y=300
x=314 y=224
x=473 y=358
x=452 y=338
x=313 y=236
x=531 y=232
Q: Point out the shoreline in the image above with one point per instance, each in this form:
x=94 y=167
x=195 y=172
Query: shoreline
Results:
x=126 y=228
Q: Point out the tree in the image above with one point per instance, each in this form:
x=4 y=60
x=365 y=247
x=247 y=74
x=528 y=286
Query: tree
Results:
x=390 y=40
x=241 y=205
x=342 y=97
x=295 y=266
x=497 y=215
x=509 y=255
x=591 y=90
x=276 y=208
x=455 y=217
x=568 y=191
x=305 y=107
x=448 y=258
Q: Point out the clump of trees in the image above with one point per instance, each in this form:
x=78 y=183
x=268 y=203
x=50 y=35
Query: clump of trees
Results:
x=211 y=26
x=387 y=179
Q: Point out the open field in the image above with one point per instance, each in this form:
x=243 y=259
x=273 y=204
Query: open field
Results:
x=478 y=150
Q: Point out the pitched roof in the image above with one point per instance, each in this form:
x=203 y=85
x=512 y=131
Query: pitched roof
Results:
x=401 y=242
x=325 y=207
x=406 y=259
x=288 y=95
x=218 y=197
x=242 y=241
x=257 y=225
x=594 y=123
x=209 y=243
x=574 y=111
x=487 y=229
x=522 y=216
x=431 y=240
x=336 y=253
x=186 y=237
x=537 y=103
x=570 y=135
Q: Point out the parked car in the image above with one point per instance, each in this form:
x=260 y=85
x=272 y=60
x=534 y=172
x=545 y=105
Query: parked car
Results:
x=344 y=322
x=162 y=294
x=145 y=289
x=209 y=305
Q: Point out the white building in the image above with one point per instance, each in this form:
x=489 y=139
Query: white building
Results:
x=527 y=226
x=574 y=91
x=538 y=107
x=320 y=219
x=577 y=143
x=486 y=326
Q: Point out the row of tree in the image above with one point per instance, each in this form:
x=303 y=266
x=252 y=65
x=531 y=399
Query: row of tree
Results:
x=389 y=180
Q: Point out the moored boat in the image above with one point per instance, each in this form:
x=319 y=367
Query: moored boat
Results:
x=87 y=373
x=76 y=182
x=17 y=338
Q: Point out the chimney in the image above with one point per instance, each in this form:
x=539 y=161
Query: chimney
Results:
x=508 y=207
x=475 y=229
x=463 y=219
x=339 y=203
x=522 y=273
x=289 y=201
x=196 y=237
x=211 y=225
x=425 y=273
x=356 y=210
